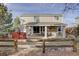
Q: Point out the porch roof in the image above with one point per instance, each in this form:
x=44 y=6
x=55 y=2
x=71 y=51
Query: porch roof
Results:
x=45 y=24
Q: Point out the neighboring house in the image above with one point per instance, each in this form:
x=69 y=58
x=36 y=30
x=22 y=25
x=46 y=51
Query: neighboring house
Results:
x=43 y=25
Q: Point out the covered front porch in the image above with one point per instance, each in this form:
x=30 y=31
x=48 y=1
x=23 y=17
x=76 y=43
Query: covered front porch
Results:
x=46 y=31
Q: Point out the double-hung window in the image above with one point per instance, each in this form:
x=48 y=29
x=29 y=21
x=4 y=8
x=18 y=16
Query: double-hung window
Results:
x=36 y=18
x=56 y=17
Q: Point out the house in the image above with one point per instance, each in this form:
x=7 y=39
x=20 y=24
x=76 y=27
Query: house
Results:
x=43 y=25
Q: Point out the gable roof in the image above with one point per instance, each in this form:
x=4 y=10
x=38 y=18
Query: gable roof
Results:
x=26 y=15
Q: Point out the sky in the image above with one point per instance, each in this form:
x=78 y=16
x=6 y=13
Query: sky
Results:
x=49 y=8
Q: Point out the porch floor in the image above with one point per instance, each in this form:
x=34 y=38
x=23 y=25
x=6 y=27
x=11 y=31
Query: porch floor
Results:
x=36 y=36
x=40 y=36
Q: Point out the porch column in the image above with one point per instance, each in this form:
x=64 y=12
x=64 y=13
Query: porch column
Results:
x=45 y=32
x=32 y=30
x=64 y=34
x=40 y=29
x=62 y=31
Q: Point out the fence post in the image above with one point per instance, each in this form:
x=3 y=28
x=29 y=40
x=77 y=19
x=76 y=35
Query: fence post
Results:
x=74 y=45
x=15 y=45
x=43 y=46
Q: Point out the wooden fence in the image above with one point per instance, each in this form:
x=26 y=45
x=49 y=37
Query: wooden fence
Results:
x=14 y=43
x=74 y=45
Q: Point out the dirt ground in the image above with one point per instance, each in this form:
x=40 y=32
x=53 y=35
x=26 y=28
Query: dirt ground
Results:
x=48 y=52
x=5 y=53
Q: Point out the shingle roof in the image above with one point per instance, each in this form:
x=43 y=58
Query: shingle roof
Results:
x=45 y=24
x=25 y=15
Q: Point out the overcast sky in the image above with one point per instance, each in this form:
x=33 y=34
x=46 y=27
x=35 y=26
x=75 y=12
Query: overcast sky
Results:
x=50 y=8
